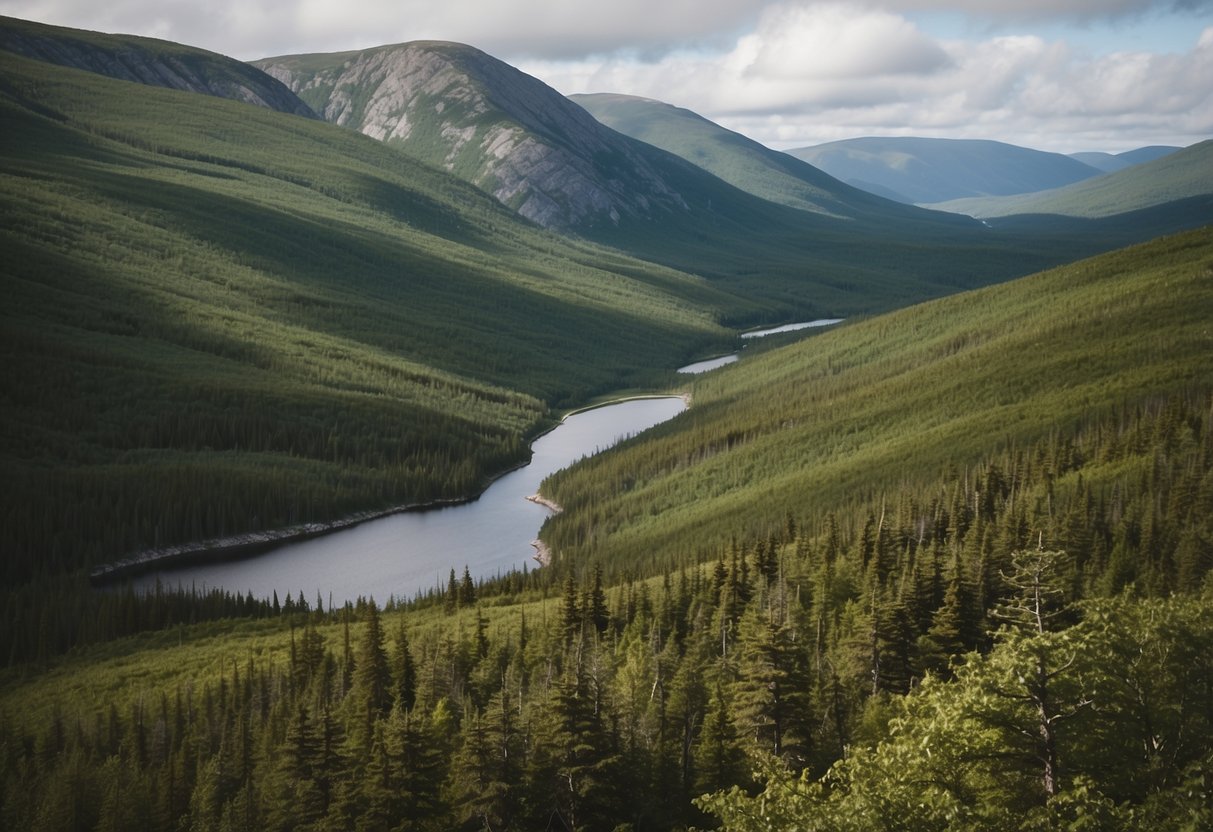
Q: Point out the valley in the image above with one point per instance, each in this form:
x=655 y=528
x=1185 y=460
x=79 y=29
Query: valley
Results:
x=938 y=556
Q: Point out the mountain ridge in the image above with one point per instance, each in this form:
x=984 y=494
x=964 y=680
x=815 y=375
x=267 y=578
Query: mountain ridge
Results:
x=929 y=171
x=1186 y=174
x=735 y=158
x=554 y=166
x=151 y=62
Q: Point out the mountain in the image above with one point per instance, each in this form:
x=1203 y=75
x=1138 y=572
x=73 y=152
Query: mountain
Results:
x=149 y=61
x=1109 y=162
x=738 y=160
x=918 y=170
x=546 y=157
x=220 y=318
x=1183 y=180
x=487 y=122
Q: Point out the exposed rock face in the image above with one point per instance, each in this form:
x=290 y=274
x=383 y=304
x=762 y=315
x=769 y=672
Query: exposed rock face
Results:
x=152 y=62
x=489 y=123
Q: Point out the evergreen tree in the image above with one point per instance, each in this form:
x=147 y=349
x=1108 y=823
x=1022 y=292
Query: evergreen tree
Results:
x=771 y=695
x=371 y=694
x=573 y=767
x=467 y=590
x=404 y=670
x=485 y=776
x=295 y=799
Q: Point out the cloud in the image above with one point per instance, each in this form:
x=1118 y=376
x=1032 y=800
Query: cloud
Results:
x=787 y=72
x=1050 y=10
x=834 y=41
x=538 y=28
x=809 y=74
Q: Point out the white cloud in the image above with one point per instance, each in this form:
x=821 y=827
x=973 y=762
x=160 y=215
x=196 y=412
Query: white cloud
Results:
x=787 y=73
x=835 y=41
x=809 y=74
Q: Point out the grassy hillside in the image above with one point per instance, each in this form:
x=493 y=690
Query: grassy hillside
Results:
x=219 y=317
x=742 y=162
x=538 y=153
x=919 y=170
x=1109 y=162
x=159 y=63
x=1183 y=175
x=865 y=408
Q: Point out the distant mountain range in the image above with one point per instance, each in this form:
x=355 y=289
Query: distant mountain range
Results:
x=1112 y=162
x=1181 y=176
x=918 y=170
x=738 y=160
x=483 y=120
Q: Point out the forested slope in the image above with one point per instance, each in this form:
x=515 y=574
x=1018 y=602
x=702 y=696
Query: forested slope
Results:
x=892 y=402
x=1014 y=636
x=220 y=318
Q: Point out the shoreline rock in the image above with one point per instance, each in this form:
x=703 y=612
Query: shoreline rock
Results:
x=543 y=555
x=550 y=505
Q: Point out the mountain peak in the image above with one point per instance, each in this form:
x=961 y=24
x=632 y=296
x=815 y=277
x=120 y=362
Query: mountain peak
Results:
x=510 y=134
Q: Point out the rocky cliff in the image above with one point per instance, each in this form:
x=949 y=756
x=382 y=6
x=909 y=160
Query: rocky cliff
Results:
x=489 y=123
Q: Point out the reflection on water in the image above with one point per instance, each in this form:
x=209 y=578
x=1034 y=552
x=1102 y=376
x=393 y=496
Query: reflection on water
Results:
x=404 y=554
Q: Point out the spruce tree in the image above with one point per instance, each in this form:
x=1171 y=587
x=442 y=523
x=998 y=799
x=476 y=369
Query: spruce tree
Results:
x=371 y=693
x=404 y=670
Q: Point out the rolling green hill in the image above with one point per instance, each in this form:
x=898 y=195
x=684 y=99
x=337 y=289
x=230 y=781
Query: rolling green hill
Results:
x=1056 y=561
x=1183 y=175
x=742 y=162
x=540 y=154
x=515 y=137
x=220 y=318
x=885 y=404
x=1110 y=162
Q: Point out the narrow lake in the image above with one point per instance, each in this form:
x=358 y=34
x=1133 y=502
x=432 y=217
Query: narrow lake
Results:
x=762 y=333
x=713 y=363
x=403 y=554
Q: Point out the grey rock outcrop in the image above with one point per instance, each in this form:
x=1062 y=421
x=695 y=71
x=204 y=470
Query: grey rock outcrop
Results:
x=488 y=123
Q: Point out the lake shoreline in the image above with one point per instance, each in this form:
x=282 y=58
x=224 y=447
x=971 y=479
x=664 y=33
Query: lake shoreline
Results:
x=251 y=544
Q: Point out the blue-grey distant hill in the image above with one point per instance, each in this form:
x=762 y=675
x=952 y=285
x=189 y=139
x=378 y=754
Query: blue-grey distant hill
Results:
x=919 y=170
x=1112 y=162
x=738 y=160
x=1182 y=180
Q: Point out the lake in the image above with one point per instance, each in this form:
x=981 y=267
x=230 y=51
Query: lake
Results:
x=403 y=554
x=762 y=333
x=713 y=363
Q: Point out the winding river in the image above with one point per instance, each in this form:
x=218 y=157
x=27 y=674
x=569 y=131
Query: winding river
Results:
x=403 y=554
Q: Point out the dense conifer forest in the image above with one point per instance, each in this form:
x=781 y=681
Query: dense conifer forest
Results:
x=948 y=568
x=1007 y=656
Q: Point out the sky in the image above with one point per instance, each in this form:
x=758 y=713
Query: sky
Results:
x=1058 y=75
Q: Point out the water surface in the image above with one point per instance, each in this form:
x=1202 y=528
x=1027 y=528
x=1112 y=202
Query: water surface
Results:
x=709 y=364
x=403 y=554
x=762 y=333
